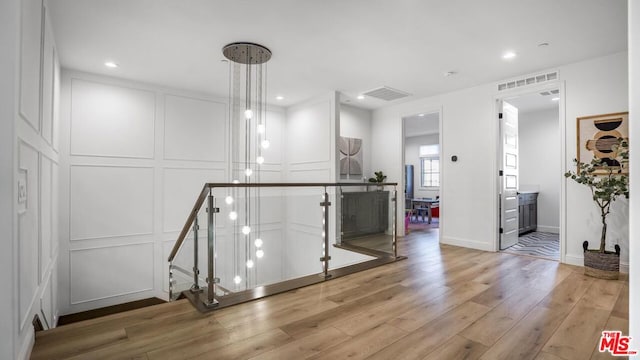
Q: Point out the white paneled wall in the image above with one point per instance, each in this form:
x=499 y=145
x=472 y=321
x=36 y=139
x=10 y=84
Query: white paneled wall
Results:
x=135 y=157
x=110 y=201
x=105 y=272
x=194 y=129
x=111 y=121
x=36 y=176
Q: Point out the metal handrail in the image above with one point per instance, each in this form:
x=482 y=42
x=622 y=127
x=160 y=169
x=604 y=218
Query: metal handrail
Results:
x=208 y=186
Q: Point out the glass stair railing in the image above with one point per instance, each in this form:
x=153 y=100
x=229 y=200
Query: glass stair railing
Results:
x=245 y=241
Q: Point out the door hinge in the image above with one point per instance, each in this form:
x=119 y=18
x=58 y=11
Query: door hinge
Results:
x=500 y=173
x=501 y=230
x=499 y=115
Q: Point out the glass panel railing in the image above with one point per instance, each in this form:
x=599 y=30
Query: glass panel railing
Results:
x=368 y=218
x=243 y=241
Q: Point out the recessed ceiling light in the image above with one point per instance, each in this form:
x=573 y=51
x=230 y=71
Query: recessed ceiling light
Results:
x=279 y=97
x=360 y=97
x=111 y=64
x=508 y=55
x=421 y=115
x=555 y=99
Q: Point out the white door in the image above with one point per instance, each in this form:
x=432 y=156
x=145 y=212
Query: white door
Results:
x=509 y=219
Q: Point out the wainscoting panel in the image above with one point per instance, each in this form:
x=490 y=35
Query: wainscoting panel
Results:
x=194 y=129
x=303 y=251
x=31 y=41
x=275 y=134
x=55 y=205
x=46 y=304
x=309 y=133
x=46 y=214
x=28 y=229
x=109 y=201
x=181 y=189
x=48 y=83
x=101 y=273
x=108 y=120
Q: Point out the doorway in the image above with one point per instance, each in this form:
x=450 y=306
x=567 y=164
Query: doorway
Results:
x=422 y=172
x=530 y=164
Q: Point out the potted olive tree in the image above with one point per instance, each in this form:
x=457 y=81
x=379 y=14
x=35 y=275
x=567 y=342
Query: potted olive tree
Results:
x=606 y=183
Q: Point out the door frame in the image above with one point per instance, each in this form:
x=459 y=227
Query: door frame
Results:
x=400 y=214
x=560 y=85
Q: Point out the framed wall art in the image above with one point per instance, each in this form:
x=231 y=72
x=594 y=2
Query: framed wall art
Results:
x=350 y=157
x=597 y=134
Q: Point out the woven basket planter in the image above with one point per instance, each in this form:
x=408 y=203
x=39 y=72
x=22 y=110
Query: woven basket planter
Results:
x=602 y=265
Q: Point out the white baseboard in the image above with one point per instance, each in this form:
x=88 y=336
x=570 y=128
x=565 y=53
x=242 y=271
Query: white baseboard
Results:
x=472 y=244
x=548 y=229
x=579 y=261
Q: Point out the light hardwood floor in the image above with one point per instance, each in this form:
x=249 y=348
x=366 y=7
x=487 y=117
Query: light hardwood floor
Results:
x=444 y=302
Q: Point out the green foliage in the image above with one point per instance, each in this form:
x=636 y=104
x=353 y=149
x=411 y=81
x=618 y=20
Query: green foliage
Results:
x=605 y=188
x=380 y=177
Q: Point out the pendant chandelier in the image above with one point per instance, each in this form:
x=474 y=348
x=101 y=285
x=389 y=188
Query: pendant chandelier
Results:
x=248 y=140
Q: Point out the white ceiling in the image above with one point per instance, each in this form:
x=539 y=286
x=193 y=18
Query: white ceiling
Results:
x=417 y=125
x=351 y=46
x=534 y=102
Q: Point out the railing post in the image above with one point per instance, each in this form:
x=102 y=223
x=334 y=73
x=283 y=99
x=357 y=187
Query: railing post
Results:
x=170 y=281
x=394 y=244
x=325 y=234
x=211 y=280
x=196 y=272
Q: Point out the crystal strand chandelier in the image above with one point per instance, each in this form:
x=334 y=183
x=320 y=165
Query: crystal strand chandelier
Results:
x=248 y=130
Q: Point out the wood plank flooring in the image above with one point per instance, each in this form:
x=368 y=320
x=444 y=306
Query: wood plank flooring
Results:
x=444 y=302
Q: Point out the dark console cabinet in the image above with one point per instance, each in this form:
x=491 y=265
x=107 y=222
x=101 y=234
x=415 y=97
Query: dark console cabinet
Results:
x=364 y=213
x=528 y=212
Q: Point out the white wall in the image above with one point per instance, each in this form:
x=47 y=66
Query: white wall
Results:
x=356 y=123
x=634 y=203
x=29 y=161
x=597 y=86
x=9 y=38
x=540 y=168
x=412 y=157
x=470 y=131
x=312 y=130
x=135 y=157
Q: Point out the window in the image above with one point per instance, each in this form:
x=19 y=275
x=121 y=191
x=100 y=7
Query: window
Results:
x=430 y=165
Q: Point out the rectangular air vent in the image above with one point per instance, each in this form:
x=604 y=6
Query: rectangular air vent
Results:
x=386 y=93
x=529 y=80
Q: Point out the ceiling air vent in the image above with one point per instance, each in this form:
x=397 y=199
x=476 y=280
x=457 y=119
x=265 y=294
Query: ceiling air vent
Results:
x=386 y=93
x=529 y=80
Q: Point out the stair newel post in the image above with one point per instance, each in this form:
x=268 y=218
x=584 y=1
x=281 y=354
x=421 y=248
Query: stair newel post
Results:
x=196 y=272
x=394 y=230
x=325 y=234
x=211 y=280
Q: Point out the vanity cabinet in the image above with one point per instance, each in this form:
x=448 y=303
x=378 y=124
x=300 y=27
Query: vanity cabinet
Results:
x=528 y=212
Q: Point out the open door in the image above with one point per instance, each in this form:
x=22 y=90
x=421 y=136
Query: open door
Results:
x=509 y=180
